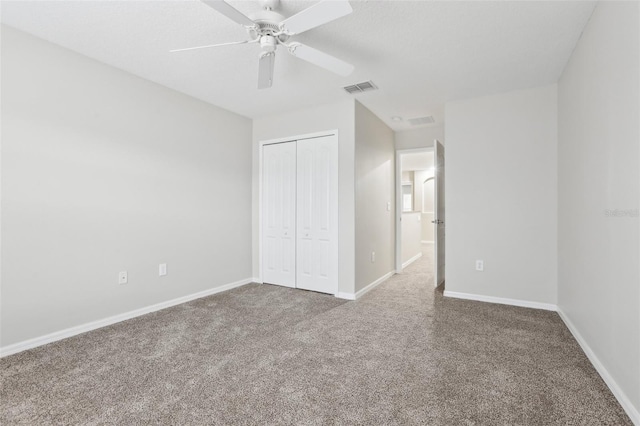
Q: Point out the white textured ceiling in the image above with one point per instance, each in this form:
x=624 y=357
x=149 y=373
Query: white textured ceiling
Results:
x=420 y=54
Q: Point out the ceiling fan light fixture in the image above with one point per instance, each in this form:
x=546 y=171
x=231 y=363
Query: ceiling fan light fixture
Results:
x=268 y=43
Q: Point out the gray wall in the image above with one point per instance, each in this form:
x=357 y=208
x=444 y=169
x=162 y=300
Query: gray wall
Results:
x=411 y=235
x=419 y=176
x=501 y=180
x=598 y=155
x=375 y=187
x=324 y=117
x=421 y=137
x=103 y=172
x=425 y=202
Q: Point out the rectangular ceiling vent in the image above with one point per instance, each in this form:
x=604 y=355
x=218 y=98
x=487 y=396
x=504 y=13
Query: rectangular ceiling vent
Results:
x=361 y=87
x=421 y=120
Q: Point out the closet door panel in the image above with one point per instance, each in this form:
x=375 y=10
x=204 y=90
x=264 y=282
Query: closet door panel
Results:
x=279 y=214
x=318 y=214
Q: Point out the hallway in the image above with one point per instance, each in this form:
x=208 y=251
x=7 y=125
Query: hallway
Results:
x=263 y=354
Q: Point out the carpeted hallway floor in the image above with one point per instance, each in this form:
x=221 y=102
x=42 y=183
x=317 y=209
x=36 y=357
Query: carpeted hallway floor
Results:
x=262 y=354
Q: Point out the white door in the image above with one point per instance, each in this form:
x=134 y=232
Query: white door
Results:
x=317 y=241
x=439 y=217
x=279 y=214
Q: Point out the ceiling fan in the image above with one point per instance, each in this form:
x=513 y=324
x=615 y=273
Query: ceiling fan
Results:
x=270 y=29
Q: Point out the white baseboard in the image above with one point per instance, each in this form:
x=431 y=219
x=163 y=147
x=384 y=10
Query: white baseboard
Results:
x=368 y=288
x=413 y=259
x=374 y=284
x=256 y=280
x=501 y=300
x=426 y=242
x=622 y=398
x=347 y=296
x=83 y=328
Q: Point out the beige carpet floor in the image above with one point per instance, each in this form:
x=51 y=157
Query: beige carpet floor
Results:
x=262 y=354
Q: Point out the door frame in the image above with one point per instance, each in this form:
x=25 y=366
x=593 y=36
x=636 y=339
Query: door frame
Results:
x=438 y=253
x=261 y=144
x=399 y=154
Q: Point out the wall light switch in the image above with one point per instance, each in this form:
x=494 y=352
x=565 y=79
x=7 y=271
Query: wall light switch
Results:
x=123 y=277
x=373 y=256
x=162 y=269
x=388 y=206
x=480 y=265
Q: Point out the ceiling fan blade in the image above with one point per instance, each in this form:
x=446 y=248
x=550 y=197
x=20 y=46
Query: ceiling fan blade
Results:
x=230 y=12
x=265 y=69
x=316 y=15
x=320 y=59
x=212 y=45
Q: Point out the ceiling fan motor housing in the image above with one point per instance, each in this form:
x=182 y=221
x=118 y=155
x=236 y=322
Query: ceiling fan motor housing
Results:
x=266 y=24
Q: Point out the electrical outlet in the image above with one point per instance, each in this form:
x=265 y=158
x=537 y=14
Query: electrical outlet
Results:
x=480 y=265
x=388 y=206
x=162 y=269
x=373 y=256
x=123 y=277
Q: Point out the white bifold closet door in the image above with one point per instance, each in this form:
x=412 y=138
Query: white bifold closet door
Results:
x=300 y=194
x=279 y=214
x=317 y=218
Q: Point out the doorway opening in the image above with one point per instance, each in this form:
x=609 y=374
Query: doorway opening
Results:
x=420 y=207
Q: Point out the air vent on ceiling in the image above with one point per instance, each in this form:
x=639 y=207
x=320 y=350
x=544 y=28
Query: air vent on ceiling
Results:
x=421 y=120
x=361 y=87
